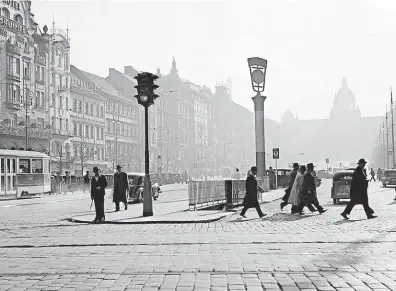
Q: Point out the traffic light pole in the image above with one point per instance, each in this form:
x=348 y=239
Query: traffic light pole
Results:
x=147 y=199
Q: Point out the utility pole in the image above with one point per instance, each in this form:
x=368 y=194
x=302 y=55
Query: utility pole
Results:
x=387 y=138
x=383 y=144
x=393 y=133
x=116 y=138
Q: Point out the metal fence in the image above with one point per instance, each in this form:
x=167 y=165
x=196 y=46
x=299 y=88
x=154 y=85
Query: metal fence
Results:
x=230 y=192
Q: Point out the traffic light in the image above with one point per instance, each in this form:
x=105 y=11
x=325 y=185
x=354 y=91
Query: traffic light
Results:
x=145 y=89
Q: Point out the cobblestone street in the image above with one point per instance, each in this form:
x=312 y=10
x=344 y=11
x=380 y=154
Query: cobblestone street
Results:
x=280 y=252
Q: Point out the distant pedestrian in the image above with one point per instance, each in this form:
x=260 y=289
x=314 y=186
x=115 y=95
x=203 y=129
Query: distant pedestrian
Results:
x=358 y=191
x=250 y=200
x=120 y=188
x=308 y=192
x=98 y=186
x=272 y=178
x=379 y=174
x=237 y=174
x=86 y=182
x=292 y=177
x=372 y=174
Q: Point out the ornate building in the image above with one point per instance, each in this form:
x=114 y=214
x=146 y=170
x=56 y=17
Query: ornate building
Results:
x=343 y=138
x=24 y=106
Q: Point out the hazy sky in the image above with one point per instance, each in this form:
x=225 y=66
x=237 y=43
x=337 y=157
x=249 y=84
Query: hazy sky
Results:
x=309 y=45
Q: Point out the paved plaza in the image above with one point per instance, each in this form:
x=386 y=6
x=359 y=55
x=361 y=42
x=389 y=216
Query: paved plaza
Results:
x=41 y=250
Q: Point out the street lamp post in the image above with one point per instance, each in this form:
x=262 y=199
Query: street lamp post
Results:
x=258 y=69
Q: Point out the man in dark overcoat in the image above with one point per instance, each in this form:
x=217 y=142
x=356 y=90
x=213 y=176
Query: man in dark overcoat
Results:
x=98 y=186
x=358 y=191
x=250 y=199
x=120 y=188
x=308 y=193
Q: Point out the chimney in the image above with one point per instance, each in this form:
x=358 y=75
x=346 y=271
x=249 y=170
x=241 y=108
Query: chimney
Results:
x=111 y=71
x=158 y=73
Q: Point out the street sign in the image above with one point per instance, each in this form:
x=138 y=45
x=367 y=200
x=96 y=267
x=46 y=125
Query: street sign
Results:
x=327 y=161
x=275 y=153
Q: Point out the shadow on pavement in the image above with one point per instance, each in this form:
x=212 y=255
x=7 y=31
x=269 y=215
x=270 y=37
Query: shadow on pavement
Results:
x=343 y=221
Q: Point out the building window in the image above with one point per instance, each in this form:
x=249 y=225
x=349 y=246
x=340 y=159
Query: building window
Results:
x=75 y=128
x=74 y=105
x=37 y=99
x=60 y=102
x=67 y=125
x=86 y=130
x=92 y=109
x=97 y=133
x=86 y=108
x=60 y=124
x=67 y=103
x=80 y=108
x=101 y=133
x=80 y=126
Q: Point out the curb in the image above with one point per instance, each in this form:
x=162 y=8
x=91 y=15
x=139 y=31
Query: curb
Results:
x=149 y=222
x=19 y=198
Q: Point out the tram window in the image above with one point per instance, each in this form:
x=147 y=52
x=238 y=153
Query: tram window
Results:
x=37 y=166
x=24 y=165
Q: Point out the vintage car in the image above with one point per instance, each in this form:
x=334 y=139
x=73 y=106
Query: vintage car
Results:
x=341 y=185
x=323 y=174
x=389 y=178
x=136 y=184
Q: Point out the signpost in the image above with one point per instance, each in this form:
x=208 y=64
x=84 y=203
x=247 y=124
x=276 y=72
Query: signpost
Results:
x=327 y=163
x=275 y=156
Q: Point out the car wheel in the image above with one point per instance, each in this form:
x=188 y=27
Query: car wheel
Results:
x=334 y=201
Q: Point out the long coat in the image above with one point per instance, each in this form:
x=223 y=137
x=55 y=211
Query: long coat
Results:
x=359 y=185
x=250 y=199
x=308 y=192
x=120 y=187
x=292 y=178
x=101 y=183
x=294 y=198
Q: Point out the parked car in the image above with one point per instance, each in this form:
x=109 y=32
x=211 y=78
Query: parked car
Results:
x=341 y=185
x=136 y=186
x=389 y=178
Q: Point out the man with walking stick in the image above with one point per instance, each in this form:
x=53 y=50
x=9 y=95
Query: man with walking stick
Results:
x=98 y=186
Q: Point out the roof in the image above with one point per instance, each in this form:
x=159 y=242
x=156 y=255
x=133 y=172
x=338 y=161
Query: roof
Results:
x=23 y=154
x=102 y=83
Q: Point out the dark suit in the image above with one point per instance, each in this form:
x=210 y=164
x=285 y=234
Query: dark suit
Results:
x=308 y=193
x=120 y=188
x=250 y=199
x=358 y=192
x=98 y=195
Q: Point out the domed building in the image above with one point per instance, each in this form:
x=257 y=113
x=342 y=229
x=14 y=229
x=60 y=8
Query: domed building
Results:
x=344 y=105
x=346 y=135
x=288 y=117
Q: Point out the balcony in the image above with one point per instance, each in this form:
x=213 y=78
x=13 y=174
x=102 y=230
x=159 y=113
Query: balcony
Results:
x=21 y=131
x=13 y=105
x=13 y=76
x=62 y=88
x=40 y=59
x=62 y=133
x=12 y=25
x=14 y=48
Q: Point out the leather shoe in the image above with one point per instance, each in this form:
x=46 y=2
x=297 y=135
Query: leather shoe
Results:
x=345 y=216
x=322 y=211
x=371 y=216
x=126 y=206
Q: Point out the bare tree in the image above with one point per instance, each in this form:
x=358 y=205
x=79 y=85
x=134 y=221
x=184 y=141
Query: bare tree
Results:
x=84 y=155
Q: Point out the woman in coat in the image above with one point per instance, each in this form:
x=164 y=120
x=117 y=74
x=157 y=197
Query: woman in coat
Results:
x=294 y=198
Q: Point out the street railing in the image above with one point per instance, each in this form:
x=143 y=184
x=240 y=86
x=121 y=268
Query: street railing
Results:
x=231 y=192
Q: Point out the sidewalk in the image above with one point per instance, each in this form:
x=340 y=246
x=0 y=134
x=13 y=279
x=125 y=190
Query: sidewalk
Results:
x=166 y=216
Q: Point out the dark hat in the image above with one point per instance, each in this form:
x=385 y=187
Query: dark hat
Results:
x=254 y=168
x=295 y=165
x=362 y=161
x=119 y=167
x=95 y=169
x=310 y=166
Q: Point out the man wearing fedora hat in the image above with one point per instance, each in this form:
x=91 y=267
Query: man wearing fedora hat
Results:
x=250 y=199
x=120 y=188
x=308 y=192
x=98 y=186
x=358 y=191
